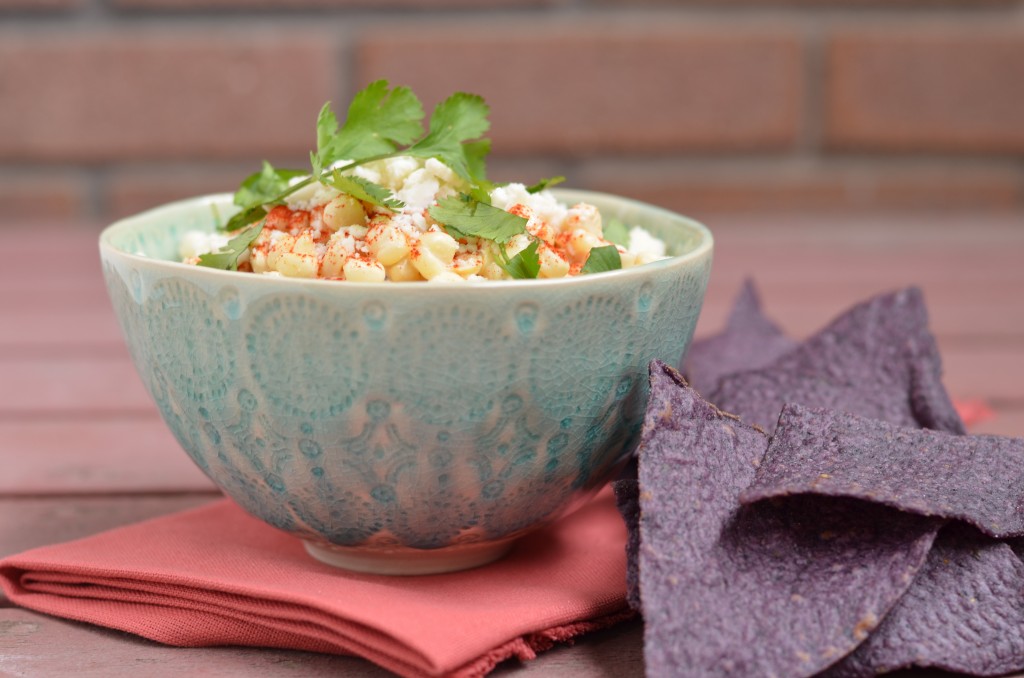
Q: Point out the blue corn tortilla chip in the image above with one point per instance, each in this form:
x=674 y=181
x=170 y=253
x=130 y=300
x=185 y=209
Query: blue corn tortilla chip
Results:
x=627 y=498
x=961 y=612
x=964 y=612
x=780 y=588
x=977 y=479
x=878 y=360
x=750 y=340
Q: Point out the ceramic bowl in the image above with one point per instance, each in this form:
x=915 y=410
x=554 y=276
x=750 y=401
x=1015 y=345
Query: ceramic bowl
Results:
x=402 y=428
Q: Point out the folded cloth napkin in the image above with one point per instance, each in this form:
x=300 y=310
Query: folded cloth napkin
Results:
x=217 y=576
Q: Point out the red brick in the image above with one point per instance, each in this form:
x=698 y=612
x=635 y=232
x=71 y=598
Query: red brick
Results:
x=169 y=94
x=775 y=188
x=130 y=190
x=830 y=4
x=31 y=196
x=192 y=5
x=993 y=189
x=585 y=87
x=39 y=5
x=952 y=88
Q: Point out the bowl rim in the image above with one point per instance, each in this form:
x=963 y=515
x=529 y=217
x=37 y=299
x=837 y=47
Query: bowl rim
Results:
x=703 y=248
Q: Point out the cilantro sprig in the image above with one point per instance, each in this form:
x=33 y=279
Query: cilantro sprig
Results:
x=226 y=258
x=616 y=232
x=362 y=189
x=523 y=264
x=381 y=122
x=465 y=217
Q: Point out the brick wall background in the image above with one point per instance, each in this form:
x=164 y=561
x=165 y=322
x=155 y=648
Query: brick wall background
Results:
x=111 y=106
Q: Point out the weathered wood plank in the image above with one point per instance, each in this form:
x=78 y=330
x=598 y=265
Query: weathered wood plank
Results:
x=39 y=645
x=29 y=522
x=960 y=307
x=96 y=384
x=809 y=270
x=94 y=456
x=960 y=310
x=980 y=313
x=1005 y=422
x=32 y=644
x=32 y=327
x=106 y=384
x=960 y=230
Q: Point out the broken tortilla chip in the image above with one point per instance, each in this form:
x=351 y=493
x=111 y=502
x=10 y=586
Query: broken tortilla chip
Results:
x=964 y=613
x=977 y=479
x=782 y=588
x=750 y=340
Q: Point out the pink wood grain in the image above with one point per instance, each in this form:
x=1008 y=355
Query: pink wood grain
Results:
x=1005 y=422
x=101 y=384
x=28 y=522
x=82 y=448
x=94 y=455
x=808 y=269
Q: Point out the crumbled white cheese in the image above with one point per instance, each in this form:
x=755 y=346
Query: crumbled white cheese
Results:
x=543 y=204
x=310 y=196
x=418 y=191
x=195 y=243
x=343 y=238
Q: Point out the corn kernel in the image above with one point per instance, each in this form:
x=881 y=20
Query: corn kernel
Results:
x=258 y=261
x=278 y=246
x=584 y=216
x=361 y=270
x=342 y=211
x=467 y=263
x=447 y=276
x=334 y=260
x=552 y=264
x=580 y=243
x=404 y=271
x=304 y=245
x=389 y=245
x=627 y=258
x=517 y=244
x=434 y=253
x=297 y=265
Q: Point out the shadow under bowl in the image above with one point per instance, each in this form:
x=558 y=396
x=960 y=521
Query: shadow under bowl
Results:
x=402 y=428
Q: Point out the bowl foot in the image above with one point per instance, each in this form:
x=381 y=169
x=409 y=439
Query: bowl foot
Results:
x=407 y=561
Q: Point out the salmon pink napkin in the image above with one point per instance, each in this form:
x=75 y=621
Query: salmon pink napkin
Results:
x=216 y=576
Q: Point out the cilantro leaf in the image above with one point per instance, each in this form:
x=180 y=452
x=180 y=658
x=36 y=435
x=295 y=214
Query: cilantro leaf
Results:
x=384 y=122
x=459 y=118
x=476 y=161
x=264 y=186
x=602 y=259
x=244 y=218
x=544 y=184
x=326 y=131
x=364 y=189
x=379 y=120
x=524 y=264
x=465 y=217
x=617 y=232
x=227 y=257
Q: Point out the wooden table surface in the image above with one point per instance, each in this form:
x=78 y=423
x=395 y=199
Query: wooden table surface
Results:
x=82 y=448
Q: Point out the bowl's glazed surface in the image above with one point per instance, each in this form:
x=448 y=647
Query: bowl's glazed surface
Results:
x=402 y=427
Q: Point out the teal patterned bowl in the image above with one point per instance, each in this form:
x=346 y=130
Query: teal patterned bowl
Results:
x=402 y=428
